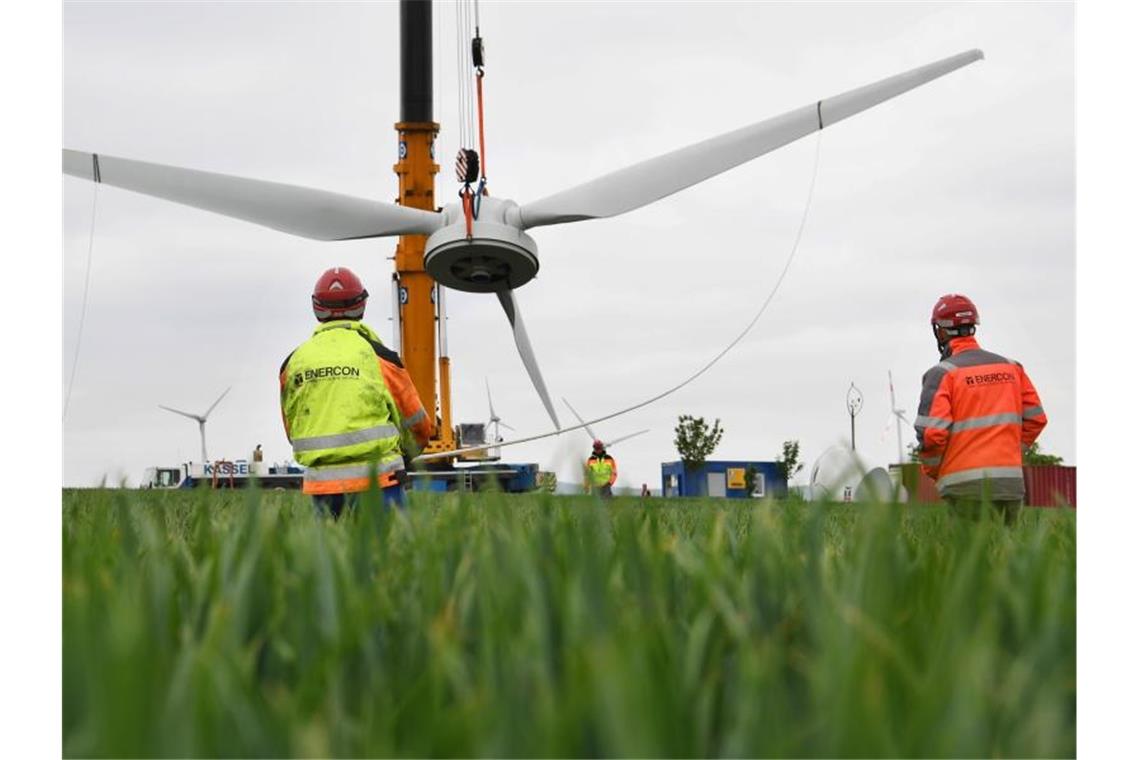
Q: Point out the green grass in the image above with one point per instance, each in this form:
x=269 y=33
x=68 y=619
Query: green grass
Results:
x=212 y=623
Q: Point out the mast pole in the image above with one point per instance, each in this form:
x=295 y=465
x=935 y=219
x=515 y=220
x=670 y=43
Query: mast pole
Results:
x=416 y=169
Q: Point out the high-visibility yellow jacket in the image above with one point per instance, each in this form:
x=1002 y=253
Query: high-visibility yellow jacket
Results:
x=601 y=471
x=976 y=413
x=348 y=404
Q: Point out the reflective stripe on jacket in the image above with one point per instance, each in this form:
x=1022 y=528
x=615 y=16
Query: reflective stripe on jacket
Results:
x=976 y=412
x=601 y=471
x=338 y=410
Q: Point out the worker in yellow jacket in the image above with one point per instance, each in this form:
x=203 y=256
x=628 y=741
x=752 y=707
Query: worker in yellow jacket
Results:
x=601 y=471
x=348 y=405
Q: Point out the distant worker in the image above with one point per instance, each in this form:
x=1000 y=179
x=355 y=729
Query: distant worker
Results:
x=257 y=455
x=977 y=413
x=347 y=402
x=601 y=471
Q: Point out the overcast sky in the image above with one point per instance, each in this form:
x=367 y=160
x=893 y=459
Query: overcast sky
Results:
x=965 y=185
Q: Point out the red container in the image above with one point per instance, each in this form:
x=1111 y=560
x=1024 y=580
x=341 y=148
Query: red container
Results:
x=1045 y=485
x=1051 y=486
x=919 y=487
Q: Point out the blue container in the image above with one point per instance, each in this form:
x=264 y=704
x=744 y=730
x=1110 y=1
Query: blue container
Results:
x=723 y=479
x=525 y=478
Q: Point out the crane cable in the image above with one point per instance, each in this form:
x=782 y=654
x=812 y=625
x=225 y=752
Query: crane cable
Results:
x=747 y=329
x=476 y=59
x=477 y=62
x=471 y=165
x=86 y=289
x=459 y=75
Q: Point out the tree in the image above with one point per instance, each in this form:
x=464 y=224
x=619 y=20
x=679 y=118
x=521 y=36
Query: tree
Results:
x=695 y=441
x=789 y=462
x=1033 y=455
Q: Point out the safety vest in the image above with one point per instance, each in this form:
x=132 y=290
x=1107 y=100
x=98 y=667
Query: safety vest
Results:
x=976 y=412
x=338 y=411
x=601 y=471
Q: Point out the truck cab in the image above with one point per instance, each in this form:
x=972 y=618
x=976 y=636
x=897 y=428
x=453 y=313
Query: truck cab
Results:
x=161 y=477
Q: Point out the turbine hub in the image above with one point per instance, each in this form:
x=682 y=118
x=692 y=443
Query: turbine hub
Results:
x=498 y=256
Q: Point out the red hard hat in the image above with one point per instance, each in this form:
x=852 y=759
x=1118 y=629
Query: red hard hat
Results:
x=598 y=445
x=954 y=310
x=339 y=294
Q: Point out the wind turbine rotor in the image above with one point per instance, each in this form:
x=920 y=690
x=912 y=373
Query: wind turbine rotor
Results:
x=492 y=253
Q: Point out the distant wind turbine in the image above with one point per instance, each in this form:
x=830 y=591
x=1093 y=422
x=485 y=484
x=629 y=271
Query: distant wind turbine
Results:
x=590 y=431
x=899 y=416
x=495 y=419
x=201 y=418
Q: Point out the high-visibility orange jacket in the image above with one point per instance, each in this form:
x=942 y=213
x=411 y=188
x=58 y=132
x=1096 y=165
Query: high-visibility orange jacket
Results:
x=380 y=404
x=976 y=413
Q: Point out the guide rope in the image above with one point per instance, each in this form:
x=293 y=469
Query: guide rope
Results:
x=709 y=365
x=86 y=287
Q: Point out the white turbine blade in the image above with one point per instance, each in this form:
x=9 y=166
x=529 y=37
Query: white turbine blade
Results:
x=207 y=414
x=179 y=411
x=508 y=427
x=625 y=437
x=891 y=381
x=490 y=404
x=303 y=211
x=649 y=181
x=589 y=430
x=510 y=306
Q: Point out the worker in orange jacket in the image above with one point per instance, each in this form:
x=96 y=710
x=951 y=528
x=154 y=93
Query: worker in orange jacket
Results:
x=977 y=414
